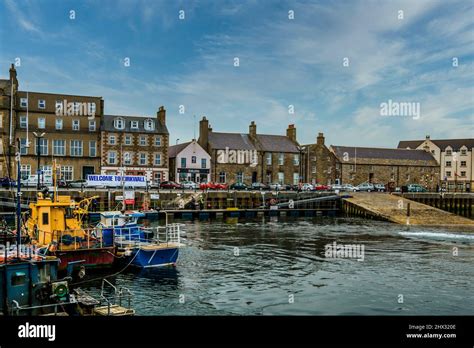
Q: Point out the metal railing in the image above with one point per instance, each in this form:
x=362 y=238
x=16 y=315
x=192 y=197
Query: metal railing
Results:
x=120 y=294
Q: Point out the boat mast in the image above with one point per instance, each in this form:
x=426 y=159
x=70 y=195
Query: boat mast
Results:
x=18 y=199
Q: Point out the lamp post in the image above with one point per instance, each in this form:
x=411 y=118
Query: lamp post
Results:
x=455 y=160
x=38 y=137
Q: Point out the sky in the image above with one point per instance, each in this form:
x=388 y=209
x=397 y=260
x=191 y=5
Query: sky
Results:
x=324 y=66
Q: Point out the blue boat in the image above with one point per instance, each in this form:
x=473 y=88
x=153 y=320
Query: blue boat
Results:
x=138 y=245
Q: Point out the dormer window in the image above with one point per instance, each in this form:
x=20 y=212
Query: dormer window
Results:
x=133 y=124
x=119 y=123
x=149 y=124
x=463 y=152
x=449 y=152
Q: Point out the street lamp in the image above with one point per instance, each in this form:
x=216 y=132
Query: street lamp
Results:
x=455 y=160
x=38 y=137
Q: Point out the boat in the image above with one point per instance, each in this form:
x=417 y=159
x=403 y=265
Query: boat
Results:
x=137 y=245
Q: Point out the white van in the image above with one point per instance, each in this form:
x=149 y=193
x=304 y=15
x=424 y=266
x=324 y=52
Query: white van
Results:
x=32 y=180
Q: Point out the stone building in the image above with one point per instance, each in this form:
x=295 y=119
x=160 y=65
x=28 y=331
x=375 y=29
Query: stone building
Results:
x=455 y=157
x=137 y=145
x=189 y=162
x=252 y=157
x=8 y=88
x=50 y=125
x=382 y=165
x=319 y=163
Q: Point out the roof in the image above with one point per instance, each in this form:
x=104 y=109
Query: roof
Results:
x=231 y=140
x=277 y=143
x=456 y=144
x=175 y=149
x=108 y=124
x=351 y=152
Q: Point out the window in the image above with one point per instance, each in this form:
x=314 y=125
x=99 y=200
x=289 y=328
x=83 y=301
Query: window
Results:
x=296 y=178
x=371 y=168
x=203 y=163
x=76 y=148
x=281 y=159
x=23 y=102
x=45 y=218
x=157 y=141
x=112 y=157
x=351 y=167
x=25 y=170
x=157 y=178
x=394 y=169
x=77 y=108
x=463 y=163
x=448 y=174
x=449 y=152
x=463 y=174
x=111 y=139
x=157 y=159
x=127 y=158
x=142 y=159
x=92 y=108
x=41 y=123
x=142 y=140
x=222 y=177
x=128 y=140
x=448 y=163
x=281 y=177
x=392 y=177
x=313 y=170
x=23 y=148
x=43 y=147
x=193 y=159
x=42 y=104
x=183 y=162
x=91 y=126
x=149 y=125
x=296 y=160
x=59 y=147
x=119 y=123
x=67 y=173
x=92 y=148
x=352 y=176
x=268 y=158
x=23 y=122
x=75 y=125
x=59 y=123
x=18 y=278
x=269 y=178
x=134 y=124
x=59 y=107
x=463 y=152
x=240 y=177
x=407 y=177
x=46 y=170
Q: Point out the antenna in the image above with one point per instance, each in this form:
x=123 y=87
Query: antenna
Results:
x=194 y=126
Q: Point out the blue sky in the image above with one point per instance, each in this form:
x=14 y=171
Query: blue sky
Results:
x=283 y=62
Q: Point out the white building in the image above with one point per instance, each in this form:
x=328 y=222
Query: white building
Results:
x=455 y=157
x=189 y=162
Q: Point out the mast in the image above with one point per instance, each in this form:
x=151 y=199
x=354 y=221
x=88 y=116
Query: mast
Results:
x=18 y=199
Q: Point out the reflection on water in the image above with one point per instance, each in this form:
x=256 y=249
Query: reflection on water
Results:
x=278 y=267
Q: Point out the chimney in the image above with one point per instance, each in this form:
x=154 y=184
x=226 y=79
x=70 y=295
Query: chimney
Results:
x=291 y=132
x=161 y=114
x=204 y=133
x=13 y=77
x=320 y=139
x=253 y=130
x=428 y=137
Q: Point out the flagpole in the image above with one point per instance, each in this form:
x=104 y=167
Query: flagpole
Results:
x=11 y=113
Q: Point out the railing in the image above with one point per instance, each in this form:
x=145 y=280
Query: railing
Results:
x=86 y=238
x=119 y=295
x=16 y=308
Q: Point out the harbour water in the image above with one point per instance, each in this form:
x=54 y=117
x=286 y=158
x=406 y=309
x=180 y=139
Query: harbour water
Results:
x=279 y=267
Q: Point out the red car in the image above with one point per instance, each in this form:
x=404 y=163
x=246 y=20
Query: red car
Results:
x=170 y=185
x=321 y=188
x=212 y=186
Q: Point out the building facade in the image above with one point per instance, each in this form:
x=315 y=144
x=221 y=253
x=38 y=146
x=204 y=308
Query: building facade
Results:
x=189 y=162
x=382 y=165
x=135 y=145
x=252 y=157
x=51 y=126
x=455 y=157
x=320 y=164
x=8 y=91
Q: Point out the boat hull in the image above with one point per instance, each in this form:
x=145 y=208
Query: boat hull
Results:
x=146 y=258
x=97 y=257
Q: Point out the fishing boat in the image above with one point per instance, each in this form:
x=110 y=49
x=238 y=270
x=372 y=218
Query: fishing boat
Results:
x=137 y=245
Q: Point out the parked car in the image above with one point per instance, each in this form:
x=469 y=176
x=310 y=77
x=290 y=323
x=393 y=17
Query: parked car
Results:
x=259 y=186
x=238 y=186
x=213 y=186
x=336 y=187
x=380 y=187
x=307 y=187
x=189 y=185
x=276 y=186
x=78 y=183
x=321 y=188
x=32 y=181
x=170 y=185
x=416 y=188
x=348 y=187
x=7 y=182
x=368 y=187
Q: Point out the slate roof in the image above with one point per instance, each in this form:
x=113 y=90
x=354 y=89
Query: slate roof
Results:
x=381 y=153
x=108 y=124
x=238 y=141
x=276 y=143
x=175 y=149
x=456 y=144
